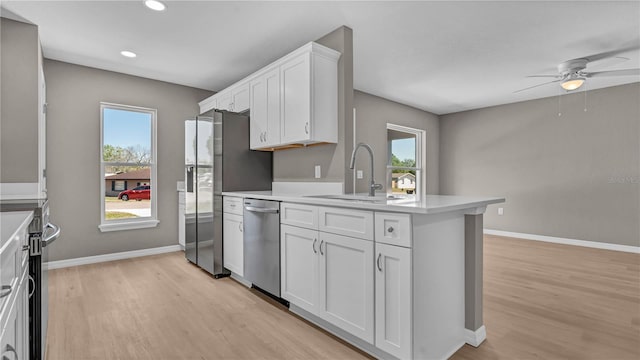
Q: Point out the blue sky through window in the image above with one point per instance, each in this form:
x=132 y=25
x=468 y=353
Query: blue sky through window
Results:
x=404 y=148
x=127 y=128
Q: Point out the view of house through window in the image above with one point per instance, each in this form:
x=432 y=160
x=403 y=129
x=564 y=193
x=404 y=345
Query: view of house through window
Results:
x=128 y=164
x=404 y=165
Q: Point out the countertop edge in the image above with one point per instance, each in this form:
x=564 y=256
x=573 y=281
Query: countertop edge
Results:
x=19 y=219
x=473 y=203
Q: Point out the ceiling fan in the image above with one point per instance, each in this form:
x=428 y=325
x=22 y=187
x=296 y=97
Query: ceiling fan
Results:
x=571 y=74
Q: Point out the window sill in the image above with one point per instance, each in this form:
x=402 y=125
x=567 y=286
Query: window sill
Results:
x=129 y=225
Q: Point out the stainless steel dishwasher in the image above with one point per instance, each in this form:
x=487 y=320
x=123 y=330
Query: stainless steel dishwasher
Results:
x=262 y=244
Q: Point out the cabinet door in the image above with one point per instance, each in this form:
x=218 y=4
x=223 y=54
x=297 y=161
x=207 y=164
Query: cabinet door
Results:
x=346 y=284
x=393 y=300
x=299 y=267
x=295 y=76
x=240 y=98
x=257 y=112
x=272 y=87
x=233 y=243
x=223 y=101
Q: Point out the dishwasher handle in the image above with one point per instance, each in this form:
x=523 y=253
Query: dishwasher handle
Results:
x=261 y=210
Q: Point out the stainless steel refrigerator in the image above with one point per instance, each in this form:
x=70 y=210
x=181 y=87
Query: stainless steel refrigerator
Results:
x=217 y=159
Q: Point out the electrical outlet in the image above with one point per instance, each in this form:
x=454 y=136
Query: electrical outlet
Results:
x=359 y=174
x=500 y=211
x=318 y=172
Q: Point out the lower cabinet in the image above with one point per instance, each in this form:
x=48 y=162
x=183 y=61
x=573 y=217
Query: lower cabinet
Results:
x=233 y=243
x=393 y=300
x=330 y=276
x=299 y=267
x=15 y=333
x=346 y=284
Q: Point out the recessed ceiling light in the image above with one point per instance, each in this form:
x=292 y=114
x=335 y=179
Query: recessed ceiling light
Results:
x=155 y=5
x=128 y=54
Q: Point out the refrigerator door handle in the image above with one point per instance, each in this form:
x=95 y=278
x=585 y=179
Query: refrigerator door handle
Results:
x=261 y=210
x=190 y=179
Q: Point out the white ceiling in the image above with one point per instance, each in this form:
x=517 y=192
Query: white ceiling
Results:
x=442 y=57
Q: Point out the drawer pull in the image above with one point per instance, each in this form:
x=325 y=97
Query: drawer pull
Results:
x=6 y=290
x=26 y=247
x=390 y=229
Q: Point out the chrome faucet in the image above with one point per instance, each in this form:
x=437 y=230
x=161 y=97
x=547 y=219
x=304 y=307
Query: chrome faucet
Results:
x=373 y=187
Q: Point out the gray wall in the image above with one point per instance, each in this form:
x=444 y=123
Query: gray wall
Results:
x=18 y=102
x=573 y=176
x=298 y=164
x=73 y=155
x=372 y=115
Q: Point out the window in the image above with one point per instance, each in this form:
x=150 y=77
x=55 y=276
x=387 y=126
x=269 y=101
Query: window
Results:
x=127 y=167
x=406 y=160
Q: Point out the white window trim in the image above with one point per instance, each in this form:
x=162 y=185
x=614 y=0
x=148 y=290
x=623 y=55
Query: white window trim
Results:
x=138 y=223
x=421 y=136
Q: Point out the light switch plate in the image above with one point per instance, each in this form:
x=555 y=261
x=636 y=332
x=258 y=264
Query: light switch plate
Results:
x=318 y=172
x=500 y=211
x=359 y=174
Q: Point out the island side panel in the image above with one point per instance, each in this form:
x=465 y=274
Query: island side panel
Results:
x=473 y=278
x=438 y=284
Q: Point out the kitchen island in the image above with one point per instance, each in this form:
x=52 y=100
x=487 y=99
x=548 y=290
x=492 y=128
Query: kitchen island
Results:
x=398 y=278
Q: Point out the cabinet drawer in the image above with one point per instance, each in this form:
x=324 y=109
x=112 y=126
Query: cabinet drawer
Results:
x=393 y=229
x=305 y=216
x=232 y=205
x=355 y=223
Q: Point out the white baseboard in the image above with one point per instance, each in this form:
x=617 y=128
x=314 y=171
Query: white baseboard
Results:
x=475 y=338
x=110 y=257
x=565 y=241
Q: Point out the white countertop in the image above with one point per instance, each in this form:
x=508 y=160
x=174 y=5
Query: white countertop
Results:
x=431 y=204
x=10 y=222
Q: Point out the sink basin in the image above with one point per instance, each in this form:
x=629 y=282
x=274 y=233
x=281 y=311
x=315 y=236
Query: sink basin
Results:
x=358 y=198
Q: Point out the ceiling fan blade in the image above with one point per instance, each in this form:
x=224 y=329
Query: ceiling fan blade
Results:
x=535 y=86
x=625 y=72
x=551 y=76
x=608 y=54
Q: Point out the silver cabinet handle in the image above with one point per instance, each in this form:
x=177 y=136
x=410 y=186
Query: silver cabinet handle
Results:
x=26 y=247
x=390 y=229
x=7 y=349
x=378 y=262
x=265 y=136
x=240 y=226
x=306 y=128
x=260 y=137
x=321 y=242
x=33 y=288
x=6 y=290
x=232 y=205
x=314 y=246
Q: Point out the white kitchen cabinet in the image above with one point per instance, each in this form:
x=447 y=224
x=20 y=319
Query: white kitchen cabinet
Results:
x=299 y=267
x=349 y=222
x=181 y=218
x=240 y=98
x=309 y=101
x=265 y=110
x=346 y=284
x=393 y=300
x=233 y=234
x=233 y=243
x=234 y=98
x=328 y=275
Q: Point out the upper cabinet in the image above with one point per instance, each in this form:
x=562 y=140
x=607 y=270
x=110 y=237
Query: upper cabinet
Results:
x=293 y=102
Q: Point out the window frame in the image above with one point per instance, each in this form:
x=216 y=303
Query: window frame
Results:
x=420 y=138
x=135 y=223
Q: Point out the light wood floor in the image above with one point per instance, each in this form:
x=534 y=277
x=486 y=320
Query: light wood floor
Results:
x=542 y=301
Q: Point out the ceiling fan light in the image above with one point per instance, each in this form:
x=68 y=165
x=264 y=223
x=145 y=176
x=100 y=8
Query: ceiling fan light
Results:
x=155 y=5
x=572 y=84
